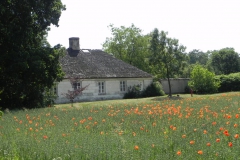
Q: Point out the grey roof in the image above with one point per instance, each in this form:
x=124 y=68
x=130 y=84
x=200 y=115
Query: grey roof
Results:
x=98 y=64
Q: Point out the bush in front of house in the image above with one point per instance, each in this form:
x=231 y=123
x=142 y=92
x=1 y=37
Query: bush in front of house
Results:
x=154 y=89
x=229 y=82
x=133 y=92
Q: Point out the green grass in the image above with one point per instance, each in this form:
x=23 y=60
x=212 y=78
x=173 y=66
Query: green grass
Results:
x=140 y=100
x=148 y=128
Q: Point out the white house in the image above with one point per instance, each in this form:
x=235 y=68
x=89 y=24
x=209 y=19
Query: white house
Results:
x=106 y=76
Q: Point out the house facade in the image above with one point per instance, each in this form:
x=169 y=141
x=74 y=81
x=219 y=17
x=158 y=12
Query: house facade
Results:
x=105 y=76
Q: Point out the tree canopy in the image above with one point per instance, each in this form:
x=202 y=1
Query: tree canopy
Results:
x=129 y=45
x=225 y=61
x=167 y=56
x=197 y=56
x=28 y=64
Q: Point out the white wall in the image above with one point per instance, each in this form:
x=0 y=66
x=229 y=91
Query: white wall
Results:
x=178 y=85
x=112 y=88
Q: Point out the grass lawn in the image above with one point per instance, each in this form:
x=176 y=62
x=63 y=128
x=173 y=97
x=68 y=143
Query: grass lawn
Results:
x=140 y=100
x=184 y=127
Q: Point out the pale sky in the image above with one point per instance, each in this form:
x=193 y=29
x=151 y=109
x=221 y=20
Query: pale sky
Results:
x=197 y=24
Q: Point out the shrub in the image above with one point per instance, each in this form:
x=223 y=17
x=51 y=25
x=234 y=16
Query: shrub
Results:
x=229 y=82
x=187 y=89
x=133 y=92
x=154 y=89
x=49 y=97
x=203 y=81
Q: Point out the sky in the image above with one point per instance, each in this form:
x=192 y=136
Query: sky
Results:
x=197 y=24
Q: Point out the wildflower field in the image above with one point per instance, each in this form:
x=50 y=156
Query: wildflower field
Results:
x=199 y=127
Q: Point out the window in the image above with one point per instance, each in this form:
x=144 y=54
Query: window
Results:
x=122 y=86
x=76 y=85
x=101 y=87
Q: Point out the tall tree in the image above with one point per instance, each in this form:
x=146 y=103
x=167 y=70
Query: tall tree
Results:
x=167 y=56
x=27 y=64
x=225 y=61
x=129 y=45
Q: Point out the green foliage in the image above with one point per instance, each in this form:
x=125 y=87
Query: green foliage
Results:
x=154 y=89
x=187 y=71
x=133 y=92
x=49 y=97
x=28 y=64
x=129 y=45
x=229 y=82
x=187 y=89
x=225 y=61
x=1 y=114
x=203 y=81
x=197 y=56
x=167 y=56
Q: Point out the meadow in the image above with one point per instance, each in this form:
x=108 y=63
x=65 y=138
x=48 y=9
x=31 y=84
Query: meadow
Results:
x=185 y=127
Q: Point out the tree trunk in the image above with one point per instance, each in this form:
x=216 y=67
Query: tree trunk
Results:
x=71 y=102
x=169 y=84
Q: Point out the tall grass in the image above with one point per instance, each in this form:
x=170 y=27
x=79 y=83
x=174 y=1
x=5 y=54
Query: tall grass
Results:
x=183 y=128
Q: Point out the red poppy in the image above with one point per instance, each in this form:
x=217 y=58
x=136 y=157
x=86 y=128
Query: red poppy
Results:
x=237 y=115
x=192 y=142
x=208 y=144
x=45 y=137
x=179 y=153
x=236 y=136
x=136 y=147
x=226 y=133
